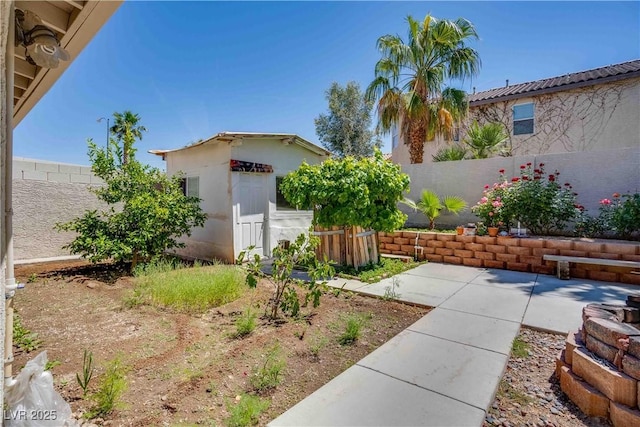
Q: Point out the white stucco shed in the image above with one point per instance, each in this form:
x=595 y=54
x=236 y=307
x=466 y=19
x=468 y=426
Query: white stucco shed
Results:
x=236 y=175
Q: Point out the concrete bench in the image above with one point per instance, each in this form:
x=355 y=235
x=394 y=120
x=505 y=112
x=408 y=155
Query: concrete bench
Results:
x=563 y=263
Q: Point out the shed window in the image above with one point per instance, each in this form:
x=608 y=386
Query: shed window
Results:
x=281 y=202
x=523 y=119
x=191 y=186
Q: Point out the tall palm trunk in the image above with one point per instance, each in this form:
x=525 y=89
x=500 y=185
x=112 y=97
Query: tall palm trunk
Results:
x=417 y=135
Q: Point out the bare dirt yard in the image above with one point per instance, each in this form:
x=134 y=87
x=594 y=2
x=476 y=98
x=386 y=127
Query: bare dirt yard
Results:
x=187 y=369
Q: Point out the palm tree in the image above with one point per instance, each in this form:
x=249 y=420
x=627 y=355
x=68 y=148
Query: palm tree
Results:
x=126 y=129
x=485 y=140
x=409 y=80
x=430 y=205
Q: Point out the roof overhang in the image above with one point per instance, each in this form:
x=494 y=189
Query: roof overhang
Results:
x=75 y=22
x=237 y=137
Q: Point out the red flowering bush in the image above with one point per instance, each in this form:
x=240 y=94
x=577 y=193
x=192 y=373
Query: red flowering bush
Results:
x=619 y=216
x=534 y=198
x=490 y=207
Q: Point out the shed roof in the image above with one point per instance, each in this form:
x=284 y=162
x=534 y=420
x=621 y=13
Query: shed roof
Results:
x=286 y=138
x=609 y=73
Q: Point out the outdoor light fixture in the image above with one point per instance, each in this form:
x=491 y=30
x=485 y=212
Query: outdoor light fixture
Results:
x=41 y=45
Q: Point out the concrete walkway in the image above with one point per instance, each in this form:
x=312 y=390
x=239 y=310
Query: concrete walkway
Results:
x=444 y=369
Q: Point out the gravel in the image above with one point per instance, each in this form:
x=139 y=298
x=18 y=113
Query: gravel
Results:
x=529 y=394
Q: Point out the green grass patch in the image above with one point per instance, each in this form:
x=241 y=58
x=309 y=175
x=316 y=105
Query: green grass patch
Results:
x=268 y=374
x=245 y=324
x=506 y=390
x=246 y=412
x=519 y=348
x=191 y=290
x=353 y=325
x=428 y=230
x=373 y=273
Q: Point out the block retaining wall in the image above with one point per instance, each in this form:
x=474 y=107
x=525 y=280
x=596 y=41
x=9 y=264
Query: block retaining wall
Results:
x=518 y=254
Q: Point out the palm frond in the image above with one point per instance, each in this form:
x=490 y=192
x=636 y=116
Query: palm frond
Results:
x=454 y=204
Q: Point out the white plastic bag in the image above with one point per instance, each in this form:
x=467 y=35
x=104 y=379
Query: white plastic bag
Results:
x=32 y=401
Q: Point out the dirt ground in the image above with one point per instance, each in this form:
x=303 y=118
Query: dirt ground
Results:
x=185 y=369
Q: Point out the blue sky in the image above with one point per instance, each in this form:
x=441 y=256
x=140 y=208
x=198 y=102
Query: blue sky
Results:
x=193 y=69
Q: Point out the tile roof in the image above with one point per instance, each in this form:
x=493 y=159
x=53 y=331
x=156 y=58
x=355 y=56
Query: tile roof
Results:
x=554 y=84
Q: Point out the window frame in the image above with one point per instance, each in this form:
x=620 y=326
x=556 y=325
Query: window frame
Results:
x=524 y=119
x=184 y=183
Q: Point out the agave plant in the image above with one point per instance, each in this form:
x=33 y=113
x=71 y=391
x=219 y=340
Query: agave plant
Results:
x=431 y=205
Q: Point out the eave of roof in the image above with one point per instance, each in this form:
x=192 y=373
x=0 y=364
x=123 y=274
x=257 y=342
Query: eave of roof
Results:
x=231 y=136
x=607 y=74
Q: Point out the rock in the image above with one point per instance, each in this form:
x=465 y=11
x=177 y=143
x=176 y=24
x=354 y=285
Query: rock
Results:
x=92 y=284
x=554 y=411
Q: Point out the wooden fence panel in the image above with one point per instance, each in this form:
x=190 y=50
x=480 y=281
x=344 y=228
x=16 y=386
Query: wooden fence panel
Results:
x=347 y=246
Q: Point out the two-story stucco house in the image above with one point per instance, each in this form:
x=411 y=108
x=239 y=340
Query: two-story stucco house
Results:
x=590 y=110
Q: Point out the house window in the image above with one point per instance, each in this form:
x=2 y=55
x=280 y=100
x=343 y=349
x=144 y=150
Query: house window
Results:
x=281 y=202
x=191 y=186
x=523 y=119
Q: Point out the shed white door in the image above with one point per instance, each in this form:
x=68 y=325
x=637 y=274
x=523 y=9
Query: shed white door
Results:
x=252 y=215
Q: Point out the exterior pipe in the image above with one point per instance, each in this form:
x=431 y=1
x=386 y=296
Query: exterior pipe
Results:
x=7 y=195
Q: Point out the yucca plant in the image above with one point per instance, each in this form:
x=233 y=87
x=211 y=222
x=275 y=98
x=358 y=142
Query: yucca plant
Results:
x=431 y=205
x=486 y=140
x=450 y=153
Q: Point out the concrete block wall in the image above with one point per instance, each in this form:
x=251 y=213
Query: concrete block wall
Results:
x=46 y=193
x=518 y=254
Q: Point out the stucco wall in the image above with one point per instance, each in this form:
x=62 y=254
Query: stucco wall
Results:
x=593 y=118
x=209 y=162
x=283 y=225
x=44 y=194
x=594 y=175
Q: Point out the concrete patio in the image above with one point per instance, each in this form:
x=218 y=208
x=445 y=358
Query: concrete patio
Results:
x=444 y=369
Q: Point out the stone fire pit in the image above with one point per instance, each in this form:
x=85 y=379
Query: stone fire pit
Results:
x=599 y=369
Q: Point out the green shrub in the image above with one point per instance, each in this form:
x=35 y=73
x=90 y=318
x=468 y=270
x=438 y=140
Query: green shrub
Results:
x=113 y=384
x=189 y=289
x=87 y=372
x=246 y=412
x=537 y=200
x=23 y=338
x=619 y=216
x=372 y=273
x=352 y=329
x=245 y=324
x=451 y=153
x=317 y=343
x=268 y=375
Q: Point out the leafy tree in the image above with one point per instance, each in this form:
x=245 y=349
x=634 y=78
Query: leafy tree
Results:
x=409 y=80
x=349 y=192
x=285 y=295
x=345 y=129
x=486 y=140
x=147 y=213
x=431 y=206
